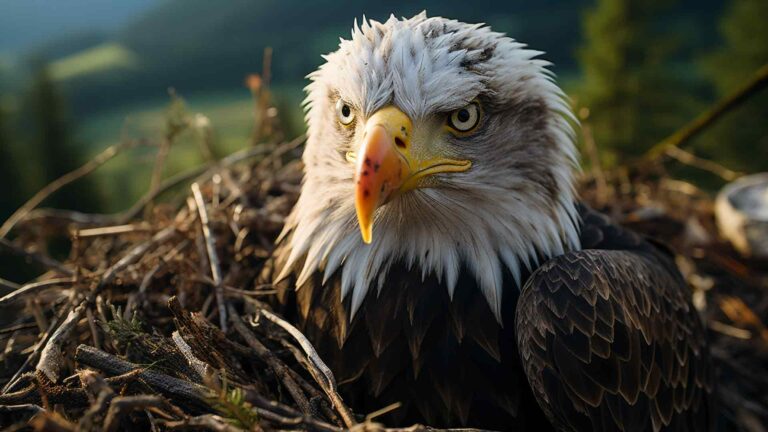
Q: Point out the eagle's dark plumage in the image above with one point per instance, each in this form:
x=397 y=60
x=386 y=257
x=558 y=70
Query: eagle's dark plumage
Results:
x=481 y=293
x=609 y=338
x=605 y=338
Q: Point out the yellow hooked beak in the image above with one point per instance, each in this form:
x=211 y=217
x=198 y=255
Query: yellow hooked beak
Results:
x=386 y=165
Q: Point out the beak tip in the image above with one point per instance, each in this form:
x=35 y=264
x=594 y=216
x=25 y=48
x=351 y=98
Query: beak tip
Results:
x=367 y=234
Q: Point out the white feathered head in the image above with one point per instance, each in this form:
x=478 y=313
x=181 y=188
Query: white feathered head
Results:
x=435 y=143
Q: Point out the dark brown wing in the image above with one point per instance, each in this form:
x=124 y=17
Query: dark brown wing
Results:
x=609 y=340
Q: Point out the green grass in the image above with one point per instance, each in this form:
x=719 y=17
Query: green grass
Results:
x=123 y=180
x=102 y=58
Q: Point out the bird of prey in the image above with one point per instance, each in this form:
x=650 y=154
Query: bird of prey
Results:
x=438 y=255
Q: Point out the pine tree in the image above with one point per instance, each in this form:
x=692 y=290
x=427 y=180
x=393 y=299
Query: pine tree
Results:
x=741 y=140
x=10 y=197
x=53 y=145
x=627 y=88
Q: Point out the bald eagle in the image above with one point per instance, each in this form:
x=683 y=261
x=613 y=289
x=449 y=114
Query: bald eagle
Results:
x=438 y=255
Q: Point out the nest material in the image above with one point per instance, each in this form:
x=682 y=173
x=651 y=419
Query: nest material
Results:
x=160 y=322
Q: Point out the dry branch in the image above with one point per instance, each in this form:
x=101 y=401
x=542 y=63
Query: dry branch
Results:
x=51 y=358
x=320 y=372
x=38 y=347
x=758 y=82
x=121 y=405
x=8 y=285
x=135 y=254
x=194 y=396
x=52 y=422
x=28 y=408
x=691 y=159
x=213 y=257
x=277 y=366
x=112 y=230
x=202 y=368
x=64 y=180
x=32 y=289
x=208 y=421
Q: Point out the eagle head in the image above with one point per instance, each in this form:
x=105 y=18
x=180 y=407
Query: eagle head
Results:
x=441 y=145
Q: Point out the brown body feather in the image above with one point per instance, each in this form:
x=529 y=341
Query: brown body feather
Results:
x=608 y=340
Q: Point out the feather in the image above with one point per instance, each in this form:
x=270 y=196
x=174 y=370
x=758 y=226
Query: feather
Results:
x=623 y=373
x=600 y=339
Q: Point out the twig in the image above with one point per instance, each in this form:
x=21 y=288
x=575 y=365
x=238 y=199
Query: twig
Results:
x=32 y=408
x=753 y=86
x=422 y=428
x=16 y=328
x=286 y=415
x=202 y=124
x=201 y=172
x=25 y=394
x=147 y=279
x=134 y=254
x=730 y=330
x=277 y=366
x=213 y=257
x=190 y=394
x=8 y=284
x=121 y=405
x=202 y=368
x=173 y=129
x=255 y=293
x=51 y=356
x=138 y=298
x=33 y=289
x=99 y=395
x=57 y=217
x=33 y=304
x=12 y=382
x=319 y=371
x=52 y=422
x=281 y=150
x=208 y=342
x=380 y=412
x=157 y=172
x=112 y=230
x=207 y=421
x=232 y=291
x=691 y=159
x=92 y=326
x=93 y=383
x=64 y=180
x=276 y=412
x=167 y=184
x=37 y=257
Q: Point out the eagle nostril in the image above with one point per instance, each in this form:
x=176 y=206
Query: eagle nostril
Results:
x=399 y=142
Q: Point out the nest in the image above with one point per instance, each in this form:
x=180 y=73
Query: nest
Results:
x=159 y=321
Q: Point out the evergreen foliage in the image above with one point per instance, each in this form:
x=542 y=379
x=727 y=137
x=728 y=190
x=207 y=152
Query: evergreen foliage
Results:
x=10 y=176
x=52 y=146
x=741 y=140
x=633 y=99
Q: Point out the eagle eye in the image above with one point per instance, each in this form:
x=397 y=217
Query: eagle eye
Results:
x=344 y=112
x=465 y=118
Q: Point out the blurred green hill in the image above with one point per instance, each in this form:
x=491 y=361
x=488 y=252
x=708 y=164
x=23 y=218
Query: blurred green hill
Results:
x=199 y=45
x=27 y=24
